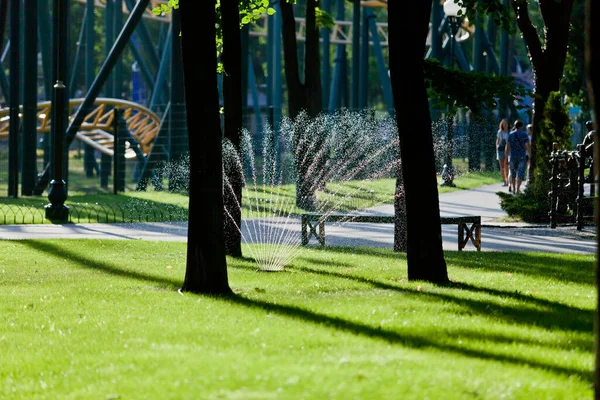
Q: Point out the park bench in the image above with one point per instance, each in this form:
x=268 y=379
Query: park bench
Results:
x=313 y=224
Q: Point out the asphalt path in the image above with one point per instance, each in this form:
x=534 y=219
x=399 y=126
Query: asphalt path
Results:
x=483 y=201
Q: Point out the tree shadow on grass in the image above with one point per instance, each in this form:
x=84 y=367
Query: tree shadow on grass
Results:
x=556 y=311
x=404 y=339
x=370 y=251
x=535 y=311
x=105 y=267
x=574 y=270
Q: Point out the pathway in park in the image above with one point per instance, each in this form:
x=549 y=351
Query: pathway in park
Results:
x=482 y=201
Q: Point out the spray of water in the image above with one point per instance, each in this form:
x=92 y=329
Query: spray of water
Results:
x=321 y=164
x=329 y=158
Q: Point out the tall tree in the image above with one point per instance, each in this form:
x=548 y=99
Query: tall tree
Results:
x=302 y=96
x=232 y=102
x=592 y=68
x=547 y=59
x=206 y=266
x=425 y=255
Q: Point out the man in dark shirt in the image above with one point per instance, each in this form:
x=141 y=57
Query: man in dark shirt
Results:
x=589 y=139
x=588 y=147
x=517 y=147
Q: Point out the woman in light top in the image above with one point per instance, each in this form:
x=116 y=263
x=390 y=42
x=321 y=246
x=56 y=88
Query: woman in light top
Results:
x=501 y=149
x=529 y=133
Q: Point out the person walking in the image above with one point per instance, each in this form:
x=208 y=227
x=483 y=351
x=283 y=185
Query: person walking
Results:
x=589 y=139
x=588 y=148
x=517 y=147
x=529 y=134
x=501 y=138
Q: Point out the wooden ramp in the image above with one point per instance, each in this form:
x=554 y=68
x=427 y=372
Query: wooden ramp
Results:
x=96 y=129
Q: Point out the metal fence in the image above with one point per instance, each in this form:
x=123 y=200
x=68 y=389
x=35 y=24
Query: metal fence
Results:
x=139 y=211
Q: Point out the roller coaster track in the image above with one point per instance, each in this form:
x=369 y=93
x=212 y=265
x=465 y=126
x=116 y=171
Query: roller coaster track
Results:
x=148 y=15
x=142 y=123
x=341 y=32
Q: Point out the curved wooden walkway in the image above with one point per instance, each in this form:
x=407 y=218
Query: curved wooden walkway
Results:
x=97 y=127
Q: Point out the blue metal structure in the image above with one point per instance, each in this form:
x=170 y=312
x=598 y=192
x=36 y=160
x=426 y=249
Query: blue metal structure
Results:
x=153 y=80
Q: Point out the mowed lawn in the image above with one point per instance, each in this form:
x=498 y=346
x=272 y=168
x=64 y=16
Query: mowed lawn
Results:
x=102 y=319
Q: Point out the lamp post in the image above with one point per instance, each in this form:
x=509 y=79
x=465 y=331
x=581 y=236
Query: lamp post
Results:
x=454 y=14
x=57 y=211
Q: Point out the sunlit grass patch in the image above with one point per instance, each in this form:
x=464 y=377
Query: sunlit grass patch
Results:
x=103 y=319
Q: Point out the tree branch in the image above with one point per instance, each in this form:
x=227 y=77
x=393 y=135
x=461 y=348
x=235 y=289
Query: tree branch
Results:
x=521 y=9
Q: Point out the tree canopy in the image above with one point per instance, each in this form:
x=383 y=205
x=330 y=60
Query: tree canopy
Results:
x=477 y=91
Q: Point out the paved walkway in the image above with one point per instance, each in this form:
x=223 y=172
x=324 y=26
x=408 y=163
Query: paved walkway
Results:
x=482 y=201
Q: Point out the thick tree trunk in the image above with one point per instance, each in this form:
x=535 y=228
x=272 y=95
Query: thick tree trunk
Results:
x=295 y=88
x=206 y=267
x=312 y=64
x=313 y=91
x=548 y=60
x=425 y=255
x=232 y=99
x=3 y=18
x=305 y=96
x=592 y=64
x=400 y=240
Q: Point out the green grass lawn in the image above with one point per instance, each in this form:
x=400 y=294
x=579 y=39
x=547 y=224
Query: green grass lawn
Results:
x=102 y=319
x=258 y=201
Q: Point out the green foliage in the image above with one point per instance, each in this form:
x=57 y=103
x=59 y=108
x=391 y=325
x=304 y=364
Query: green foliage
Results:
x=556 y=127
x=528 y=207
x=501 y=14
x=573 y=82
x=250 y=12
x=324 y=20
x=476 y=90
x=163 y=9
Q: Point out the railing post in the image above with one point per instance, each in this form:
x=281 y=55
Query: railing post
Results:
x=554 y=184
x=119 y=152
x=105 y=165
x=580 y=182
x=592 y=176
x=304 y=229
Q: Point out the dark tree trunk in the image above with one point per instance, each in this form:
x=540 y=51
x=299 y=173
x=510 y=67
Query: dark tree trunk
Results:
x=3 y=18
x=305 y=96
x=295 y=88
x=312 y=64
x=206 y=266
x=592 y=64
x=548 y=61
x=425 y=255
x=400 y=241
x=232 y=98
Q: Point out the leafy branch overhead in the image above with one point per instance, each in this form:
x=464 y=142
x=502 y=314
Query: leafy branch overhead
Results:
x=475 y=90
x=500 y=13
x=250 y=12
